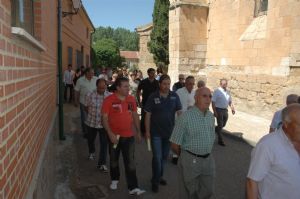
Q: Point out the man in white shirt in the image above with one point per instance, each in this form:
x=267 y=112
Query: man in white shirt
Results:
x=221 y=99
x=68 y=81
x=274 y=171
x=276 y=121
x=84 y=85
x=187 y=94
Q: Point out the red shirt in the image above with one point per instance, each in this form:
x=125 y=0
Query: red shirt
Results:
x=120 y=114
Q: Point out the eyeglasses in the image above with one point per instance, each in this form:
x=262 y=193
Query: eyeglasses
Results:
x=206 y=96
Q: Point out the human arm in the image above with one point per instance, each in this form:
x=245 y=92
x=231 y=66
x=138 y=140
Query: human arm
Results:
x=231 y=106
x=77 y=94
x=251 y=189
x=176 y=148
x=111 y=135
x=214 y=109
x=136 y=121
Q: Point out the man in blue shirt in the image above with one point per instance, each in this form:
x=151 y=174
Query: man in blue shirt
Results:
x=160 y=110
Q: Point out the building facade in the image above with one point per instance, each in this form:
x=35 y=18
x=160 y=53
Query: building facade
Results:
x=131 y=58
x=77 y=32
x=254 y=44
x=28 y=94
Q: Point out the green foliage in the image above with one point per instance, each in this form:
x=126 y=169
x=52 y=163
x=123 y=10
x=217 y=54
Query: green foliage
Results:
x=159 y=44
x=125 y=39
x=107 y=53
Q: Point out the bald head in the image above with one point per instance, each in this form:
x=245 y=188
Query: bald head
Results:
x=203 y=98
x=291 y=121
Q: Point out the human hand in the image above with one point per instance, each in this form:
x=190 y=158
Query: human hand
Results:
x=233 y=111
x=113 y=138
x=147 y=135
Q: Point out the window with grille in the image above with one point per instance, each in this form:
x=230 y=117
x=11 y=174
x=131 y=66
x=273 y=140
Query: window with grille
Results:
x=261 y=7
x=23 y=15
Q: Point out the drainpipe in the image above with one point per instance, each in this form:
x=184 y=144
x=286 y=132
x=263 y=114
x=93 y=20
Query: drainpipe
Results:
x=59 y=64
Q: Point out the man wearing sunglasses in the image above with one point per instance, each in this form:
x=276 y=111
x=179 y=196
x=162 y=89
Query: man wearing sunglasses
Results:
x=221 y=99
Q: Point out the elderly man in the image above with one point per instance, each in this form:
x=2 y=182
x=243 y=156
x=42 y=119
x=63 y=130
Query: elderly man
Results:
x=276 y=121
x=178 y=84
x=220 y=101
x=192 y=139
x=186 y=96
x=274 y=168
x=201 y=84
x=84 y=85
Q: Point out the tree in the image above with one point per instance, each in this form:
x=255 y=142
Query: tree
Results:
x=159 y=43
x=107 y=53
x=125 y=39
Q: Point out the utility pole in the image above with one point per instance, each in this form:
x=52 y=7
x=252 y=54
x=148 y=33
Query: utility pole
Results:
x=59 y=64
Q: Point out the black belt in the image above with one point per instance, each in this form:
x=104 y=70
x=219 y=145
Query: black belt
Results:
x=222 y=108
x=198 y=156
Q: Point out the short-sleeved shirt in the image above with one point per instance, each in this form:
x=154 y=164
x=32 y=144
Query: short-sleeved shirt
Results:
x=85 y=86
x=147 y=87
x=221 y=98
x=186 y=98
x=94 y=103
x=162 y=113
x=119 y=114
x=195 y=131
x=275 y=165
x=276 y=121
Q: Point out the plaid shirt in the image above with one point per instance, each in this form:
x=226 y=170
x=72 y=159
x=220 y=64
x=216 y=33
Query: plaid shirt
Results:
x=195 y=131
x=94 y=103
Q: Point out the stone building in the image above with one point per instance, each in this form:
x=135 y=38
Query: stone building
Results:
x=76 y=36
x=254 y=44
x=28 y=97
x=145 y=57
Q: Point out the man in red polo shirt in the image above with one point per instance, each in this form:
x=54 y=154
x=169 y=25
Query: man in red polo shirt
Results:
x=119 y=119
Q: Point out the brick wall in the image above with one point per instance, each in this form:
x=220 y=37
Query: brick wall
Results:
x=27 y=97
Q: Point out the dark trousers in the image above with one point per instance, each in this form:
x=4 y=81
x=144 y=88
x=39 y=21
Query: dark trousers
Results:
x=221 y=121
x=160 y=151
x=91 y=136
x=127 y=147
x=70 y=86
x=143 y=113
x=83 y=115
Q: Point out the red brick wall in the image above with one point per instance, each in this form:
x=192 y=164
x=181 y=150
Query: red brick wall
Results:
x=27 y=97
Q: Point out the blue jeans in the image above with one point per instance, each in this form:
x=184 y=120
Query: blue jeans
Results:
x=160 y=151
x=83 y=115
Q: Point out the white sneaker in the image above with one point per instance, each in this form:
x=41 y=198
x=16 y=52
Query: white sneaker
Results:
x=136 y=191
x=103 y=168
x=92 y=156
x=114 y=184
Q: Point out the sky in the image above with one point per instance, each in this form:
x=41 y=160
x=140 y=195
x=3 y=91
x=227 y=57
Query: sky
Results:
x=119 y=13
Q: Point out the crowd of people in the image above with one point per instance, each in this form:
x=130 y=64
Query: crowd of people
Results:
x=179 y=120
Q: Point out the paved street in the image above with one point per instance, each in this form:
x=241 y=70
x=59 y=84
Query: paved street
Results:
x=78 y=177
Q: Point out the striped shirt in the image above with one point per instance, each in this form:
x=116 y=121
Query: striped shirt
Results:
x=195 y=131
x=94 y=103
